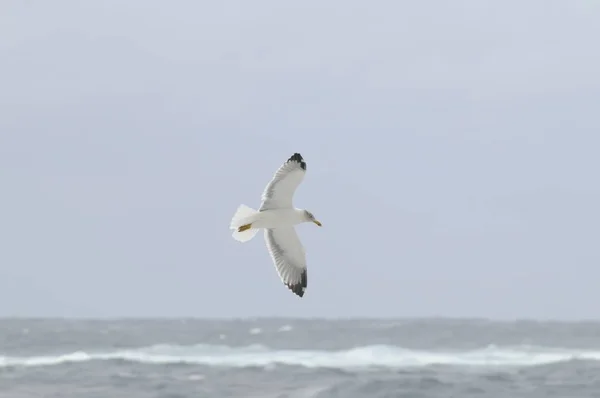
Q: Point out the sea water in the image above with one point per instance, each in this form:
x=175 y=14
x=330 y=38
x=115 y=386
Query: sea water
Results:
x=298 y=358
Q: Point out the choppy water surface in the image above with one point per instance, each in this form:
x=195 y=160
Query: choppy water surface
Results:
x=298 y=358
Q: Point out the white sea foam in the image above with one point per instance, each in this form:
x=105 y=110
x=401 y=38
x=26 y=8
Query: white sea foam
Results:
x=354 y=358
x=285 y=328
x=255 y=331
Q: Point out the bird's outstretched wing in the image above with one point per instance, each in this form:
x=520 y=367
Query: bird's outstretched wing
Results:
x=289 y=257
x=280 y=190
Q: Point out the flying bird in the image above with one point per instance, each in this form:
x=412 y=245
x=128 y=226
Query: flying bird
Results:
x=277 y=216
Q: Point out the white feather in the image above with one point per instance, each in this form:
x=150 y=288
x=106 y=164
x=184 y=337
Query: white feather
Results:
x=279 y=192
x=289 y=257
x=244 y=215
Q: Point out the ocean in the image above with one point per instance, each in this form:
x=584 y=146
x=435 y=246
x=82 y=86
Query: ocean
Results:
x=299 y=358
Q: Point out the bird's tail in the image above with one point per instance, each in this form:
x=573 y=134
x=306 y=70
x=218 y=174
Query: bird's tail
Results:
x=243 y=217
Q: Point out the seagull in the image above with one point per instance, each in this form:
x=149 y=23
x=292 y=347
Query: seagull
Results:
x=277 y=216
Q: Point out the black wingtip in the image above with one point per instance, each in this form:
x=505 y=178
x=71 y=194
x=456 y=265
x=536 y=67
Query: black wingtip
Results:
x=296 y=157
x=299 y=288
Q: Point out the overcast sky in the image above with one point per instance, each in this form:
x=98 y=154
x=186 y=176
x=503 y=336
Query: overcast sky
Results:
x=453 y=155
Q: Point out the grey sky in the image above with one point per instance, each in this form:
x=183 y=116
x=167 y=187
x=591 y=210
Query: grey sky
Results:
x=452 y=150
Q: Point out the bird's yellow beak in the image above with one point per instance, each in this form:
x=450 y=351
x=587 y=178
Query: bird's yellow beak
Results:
x=318 y=223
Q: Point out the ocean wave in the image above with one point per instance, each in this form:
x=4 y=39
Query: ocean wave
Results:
x=375 y=356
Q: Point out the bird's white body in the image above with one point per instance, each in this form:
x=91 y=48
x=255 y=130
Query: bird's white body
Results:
x=277 y=217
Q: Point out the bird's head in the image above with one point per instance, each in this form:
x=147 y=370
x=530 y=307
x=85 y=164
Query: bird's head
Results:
x=310 y=218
